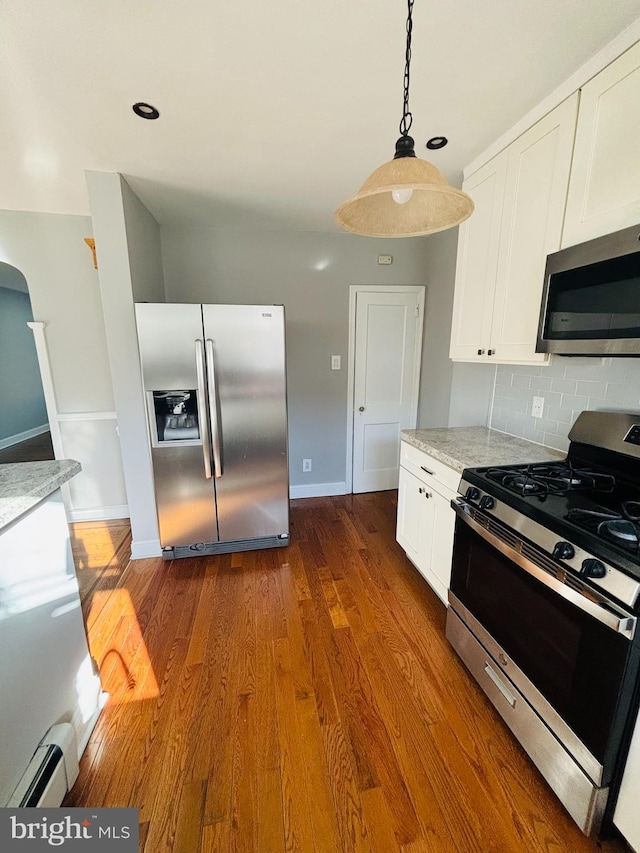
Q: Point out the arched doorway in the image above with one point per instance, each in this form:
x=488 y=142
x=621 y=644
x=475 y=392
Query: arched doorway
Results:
x=24 y=428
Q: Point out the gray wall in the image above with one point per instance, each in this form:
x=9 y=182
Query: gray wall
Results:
x=437 y=370
x=23 y=408
x=451 y=393
x=310 y=274
x=12 y=278
x=143 y=245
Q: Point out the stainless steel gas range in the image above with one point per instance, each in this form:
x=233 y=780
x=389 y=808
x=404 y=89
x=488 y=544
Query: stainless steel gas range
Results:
x=545 y=599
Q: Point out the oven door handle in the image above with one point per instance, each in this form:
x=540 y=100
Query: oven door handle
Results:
x=624 y=625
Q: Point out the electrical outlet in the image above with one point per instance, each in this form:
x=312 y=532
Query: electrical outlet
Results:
x=537 y=407
x=306 y=465
x=385 y=260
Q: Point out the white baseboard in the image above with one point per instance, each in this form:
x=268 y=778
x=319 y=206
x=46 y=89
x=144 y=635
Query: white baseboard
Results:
x=317 y=490
x=99 y=513
x=142 y=549
x=23 y=436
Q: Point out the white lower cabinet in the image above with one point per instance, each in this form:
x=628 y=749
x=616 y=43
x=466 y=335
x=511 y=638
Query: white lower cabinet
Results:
x=425 y=518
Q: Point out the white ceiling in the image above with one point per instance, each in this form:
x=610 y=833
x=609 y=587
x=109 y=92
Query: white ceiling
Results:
x=272 y=113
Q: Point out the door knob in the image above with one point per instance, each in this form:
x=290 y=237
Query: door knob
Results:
x=361 y=409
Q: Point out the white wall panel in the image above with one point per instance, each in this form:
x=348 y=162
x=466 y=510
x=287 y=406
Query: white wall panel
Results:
x=49 y=250
x=97 y=491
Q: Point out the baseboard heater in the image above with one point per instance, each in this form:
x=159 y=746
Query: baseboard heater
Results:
x=51 y=772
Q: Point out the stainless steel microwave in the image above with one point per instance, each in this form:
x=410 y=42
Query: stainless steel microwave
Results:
x=591 y=298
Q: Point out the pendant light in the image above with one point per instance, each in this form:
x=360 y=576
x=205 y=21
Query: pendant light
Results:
x=406 y=197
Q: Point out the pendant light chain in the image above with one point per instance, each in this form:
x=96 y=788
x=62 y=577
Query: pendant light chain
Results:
x=407 y=118
x=407 y=196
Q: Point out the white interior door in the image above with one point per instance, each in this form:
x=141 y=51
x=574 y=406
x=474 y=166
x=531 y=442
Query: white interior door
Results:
x=388 y=346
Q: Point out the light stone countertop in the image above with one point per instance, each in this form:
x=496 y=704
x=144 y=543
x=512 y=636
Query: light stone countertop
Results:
x=470 y=447
x=24 y=484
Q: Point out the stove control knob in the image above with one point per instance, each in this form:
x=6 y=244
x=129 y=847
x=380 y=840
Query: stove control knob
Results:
x=563 y=551
x=593 y=569
x=472 y=493
x=487 y=502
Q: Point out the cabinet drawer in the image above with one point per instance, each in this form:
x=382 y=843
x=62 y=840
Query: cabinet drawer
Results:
x=430 y=470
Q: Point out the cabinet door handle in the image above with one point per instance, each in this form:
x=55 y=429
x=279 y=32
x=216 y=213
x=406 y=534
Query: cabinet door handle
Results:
x=427 y=494
x=427 y=471
x=491 y=352
x=420 y=490
x=480 y=352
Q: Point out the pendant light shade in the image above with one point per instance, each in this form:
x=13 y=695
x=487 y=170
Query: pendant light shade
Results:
x=406 y=197
x=433 y=205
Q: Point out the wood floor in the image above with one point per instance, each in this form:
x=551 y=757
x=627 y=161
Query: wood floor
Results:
x=101 y=555
x=36 y=449
x=301 y=699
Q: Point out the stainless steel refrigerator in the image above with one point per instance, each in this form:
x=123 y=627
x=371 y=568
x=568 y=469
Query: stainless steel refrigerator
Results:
x=215 y=387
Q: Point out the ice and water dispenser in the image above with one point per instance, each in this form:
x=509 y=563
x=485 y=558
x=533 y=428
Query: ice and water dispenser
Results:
x=175 y=414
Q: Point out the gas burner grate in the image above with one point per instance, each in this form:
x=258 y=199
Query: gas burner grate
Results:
x=621 y=528
x=543 y=479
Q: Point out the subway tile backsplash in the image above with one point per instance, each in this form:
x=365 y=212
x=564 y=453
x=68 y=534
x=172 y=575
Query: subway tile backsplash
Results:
x=568 y=386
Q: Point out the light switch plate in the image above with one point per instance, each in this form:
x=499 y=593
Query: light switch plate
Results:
x=335 y=362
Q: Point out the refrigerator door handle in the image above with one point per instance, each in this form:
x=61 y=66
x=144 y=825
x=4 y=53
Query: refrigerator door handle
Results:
x=202 y=408
x=213 y=407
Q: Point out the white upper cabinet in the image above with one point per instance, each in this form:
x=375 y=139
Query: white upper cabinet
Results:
x=533 y=213
x=477 y=262
x=520 y=199
x=604 y=191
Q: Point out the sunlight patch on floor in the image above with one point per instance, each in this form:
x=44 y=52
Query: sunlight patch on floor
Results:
x=116 y=642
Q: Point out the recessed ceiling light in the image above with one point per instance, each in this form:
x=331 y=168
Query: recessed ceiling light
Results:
x=437 y=142
x=145 y=111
